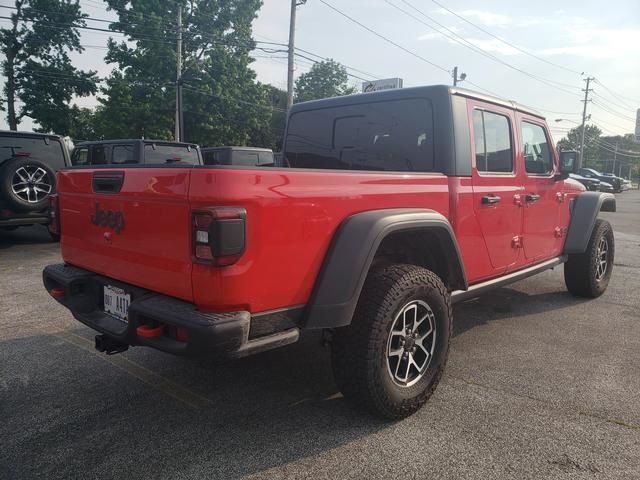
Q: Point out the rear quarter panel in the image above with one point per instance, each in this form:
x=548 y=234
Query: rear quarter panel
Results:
x=292 y=216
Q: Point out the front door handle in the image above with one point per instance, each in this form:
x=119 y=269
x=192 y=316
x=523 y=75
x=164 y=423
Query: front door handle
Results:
x=490 y=199
x=531 y=197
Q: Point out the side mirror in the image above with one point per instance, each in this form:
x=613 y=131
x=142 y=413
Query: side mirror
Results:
x=569 y=162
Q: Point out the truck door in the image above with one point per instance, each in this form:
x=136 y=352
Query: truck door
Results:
x=497 y=184
x=542 y=234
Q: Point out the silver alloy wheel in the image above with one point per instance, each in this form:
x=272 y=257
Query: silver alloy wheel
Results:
x=602 y=258
x=411 y=343
x=31 y=183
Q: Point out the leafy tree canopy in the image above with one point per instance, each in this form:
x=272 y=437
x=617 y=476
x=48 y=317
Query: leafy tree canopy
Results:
x=325 y=79
x=37 y=68
x=223 y=103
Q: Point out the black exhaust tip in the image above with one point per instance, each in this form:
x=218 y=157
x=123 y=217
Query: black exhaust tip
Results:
x=110 y=346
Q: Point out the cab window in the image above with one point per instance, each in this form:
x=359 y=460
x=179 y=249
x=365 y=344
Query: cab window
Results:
x=535 y=148
x=123 y=154
x=80 y=156
x=492 y=138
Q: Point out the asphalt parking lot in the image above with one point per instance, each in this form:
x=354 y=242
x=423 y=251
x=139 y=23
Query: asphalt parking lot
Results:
x=539 y=385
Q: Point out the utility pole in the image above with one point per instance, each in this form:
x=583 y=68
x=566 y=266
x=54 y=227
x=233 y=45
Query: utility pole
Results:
x=615 y=154
x=584 y=118
x=292 y=35
x=457 y=79
x=178 y=135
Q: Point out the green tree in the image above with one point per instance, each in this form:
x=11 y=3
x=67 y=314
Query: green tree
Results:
x=223 y=103
x=325 y=79
x=591 y=149
x=271 y=134
x=37 y=69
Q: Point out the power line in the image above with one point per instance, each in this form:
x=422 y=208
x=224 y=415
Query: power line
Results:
x=611 y=102
x=616 y=95
x=406 y=50
x=506 y=42
x=462 y=41
x=613 y=112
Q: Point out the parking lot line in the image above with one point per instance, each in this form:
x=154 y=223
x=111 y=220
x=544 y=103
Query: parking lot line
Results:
x=145 y=375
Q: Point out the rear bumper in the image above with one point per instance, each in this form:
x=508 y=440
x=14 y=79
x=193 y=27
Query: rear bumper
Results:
x=223 y=335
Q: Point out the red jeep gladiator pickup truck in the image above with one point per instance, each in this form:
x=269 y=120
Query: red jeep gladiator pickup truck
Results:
x=390 y=206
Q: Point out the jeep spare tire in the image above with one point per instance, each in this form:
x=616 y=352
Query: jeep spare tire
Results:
x=26 y=184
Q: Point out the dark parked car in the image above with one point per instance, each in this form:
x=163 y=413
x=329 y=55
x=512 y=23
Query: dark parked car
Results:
x=615 y=182
x=246 y=156
x=135 y=151
x=591 y=184
x=28 y=165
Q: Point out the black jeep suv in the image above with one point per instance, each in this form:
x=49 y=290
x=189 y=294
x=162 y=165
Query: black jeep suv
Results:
x=28 y=165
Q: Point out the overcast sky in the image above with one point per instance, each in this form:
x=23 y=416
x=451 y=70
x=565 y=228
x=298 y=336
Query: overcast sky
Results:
x=567 y=37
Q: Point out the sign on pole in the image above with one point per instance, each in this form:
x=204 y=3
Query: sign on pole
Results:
x=385 y=84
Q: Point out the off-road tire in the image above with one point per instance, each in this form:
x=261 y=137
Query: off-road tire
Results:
x=580 y=270
x=7 y=176
x=359 y=351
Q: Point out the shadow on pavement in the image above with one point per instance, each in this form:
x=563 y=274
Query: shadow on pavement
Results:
x=87 y=419
x=34 y=235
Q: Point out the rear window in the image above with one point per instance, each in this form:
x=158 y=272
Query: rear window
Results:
x=213 y=157
x=123 y=154
x=159 y=153
x=46 y=149
x=394 y=135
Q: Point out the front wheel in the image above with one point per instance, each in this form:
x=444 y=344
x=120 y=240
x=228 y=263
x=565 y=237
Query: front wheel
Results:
x=587 y=274
x=392 y=356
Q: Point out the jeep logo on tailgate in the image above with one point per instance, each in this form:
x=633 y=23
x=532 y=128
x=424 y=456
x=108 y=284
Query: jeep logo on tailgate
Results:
x=108 y=218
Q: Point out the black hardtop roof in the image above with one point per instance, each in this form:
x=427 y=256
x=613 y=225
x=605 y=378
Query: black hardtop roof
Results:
x=20 y=133
x=134 y=140
x=236 y=147
x=412 y=92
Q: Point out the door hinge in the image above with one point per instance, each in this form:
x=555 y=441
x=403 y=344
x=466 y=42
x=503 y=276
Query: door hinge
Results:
x=516 y=242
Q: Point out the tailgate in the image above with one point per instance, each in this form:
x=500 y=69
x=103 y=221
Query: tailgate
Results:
x=131 y=224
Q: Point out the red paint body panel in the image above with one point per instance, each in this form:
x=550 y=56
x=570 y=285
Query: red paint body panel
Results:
x=291 y=218
x=153 y=249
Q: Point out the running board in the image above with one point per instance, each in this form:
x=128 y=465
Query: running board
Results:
x=480 y=288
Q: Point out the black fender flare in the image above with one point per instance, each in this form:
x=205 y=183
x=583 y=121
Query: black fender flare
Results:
x=584 y=211
x=351 y=253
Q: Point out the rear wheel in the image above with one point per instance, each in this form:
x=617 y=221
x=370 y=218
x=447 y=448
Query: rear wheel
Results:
x=26 y=184
x=587 y=274
x=392 y=356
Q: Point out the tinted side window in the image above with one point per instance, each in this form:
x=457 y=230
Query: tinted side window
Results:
x=211 y=158
x=47 y=149
x=240 y=157
x=80 y=156
x=492 y=136
x=99 y=155
x=394 y=135
x=158 y=153
x=535 y=148
x=123 y=154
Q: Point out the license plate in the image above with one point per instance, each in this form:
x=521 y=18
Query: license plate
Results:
x=116 y=302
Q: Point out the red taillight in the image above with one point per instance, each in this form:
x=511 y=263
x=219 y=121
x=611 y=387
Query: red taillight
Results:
x=219 y=235
x=57 y=292
x=54 y=214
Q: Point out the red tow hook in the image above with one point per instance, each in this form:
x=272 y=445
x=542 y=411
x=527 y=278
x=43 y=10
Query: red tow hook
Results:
x=57 y=292
x=147 y=331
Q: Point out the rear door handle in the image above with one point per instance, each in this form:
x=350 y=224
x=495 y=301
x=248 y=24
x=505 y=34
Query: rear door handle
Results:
x=490 y=199
x=531 y=197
